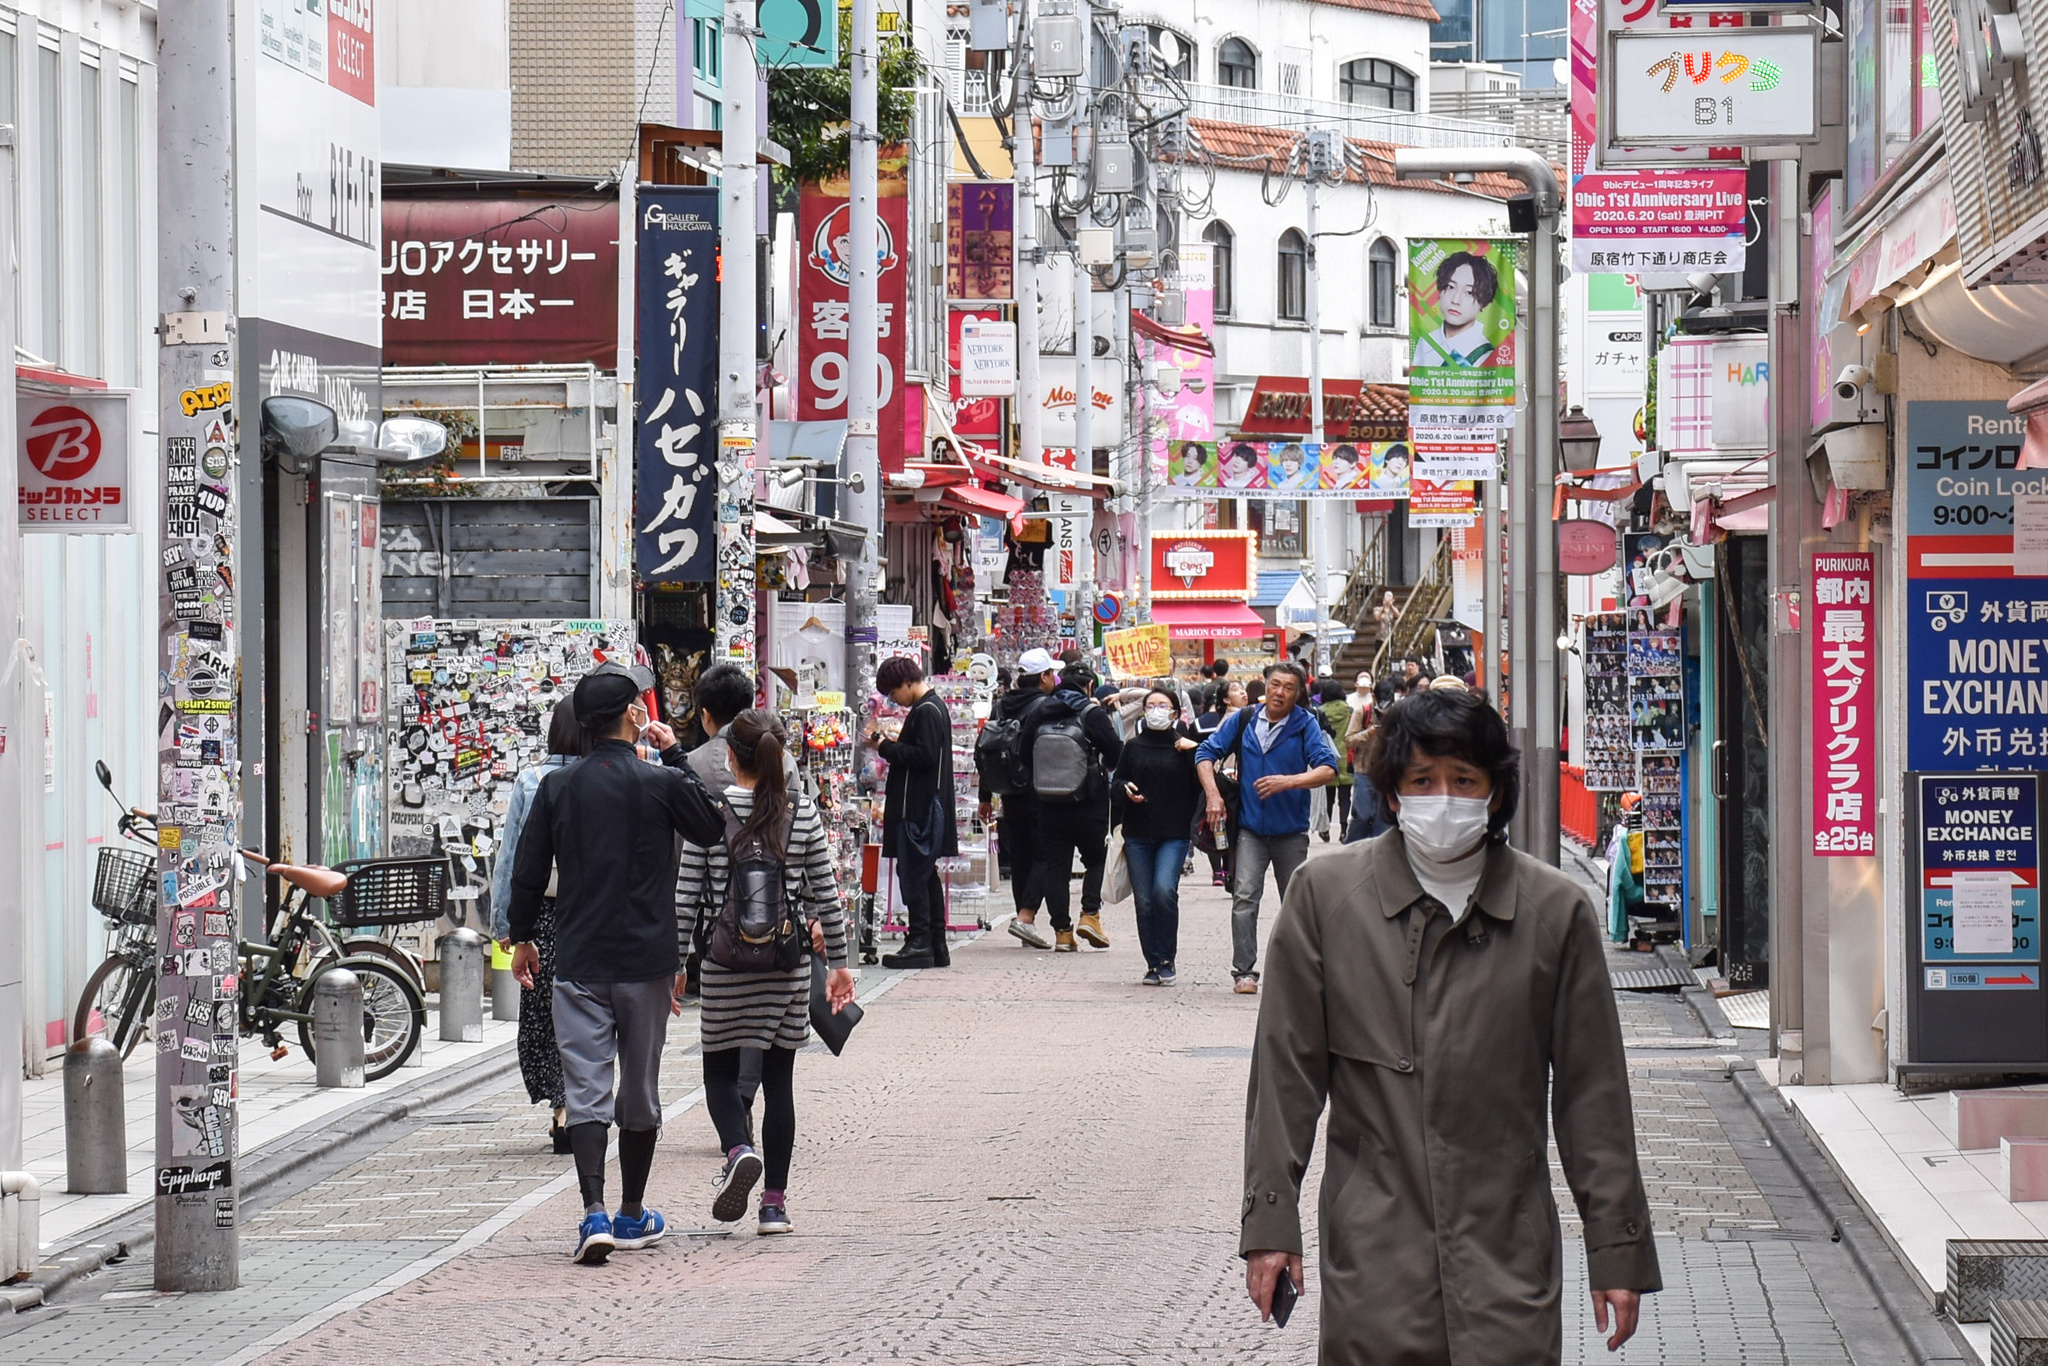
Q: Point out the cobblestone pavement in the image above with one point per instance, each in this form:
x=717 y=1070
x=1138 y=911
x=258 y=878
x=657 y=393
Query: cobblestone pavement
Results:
x=1027 y=1159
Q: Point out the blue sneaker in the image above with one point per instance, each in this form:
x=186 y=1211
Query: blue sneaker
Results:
x=594 y=1241
x=774 y=1220
x=735 y=1183
x=1166 y=976
x=631 y=1233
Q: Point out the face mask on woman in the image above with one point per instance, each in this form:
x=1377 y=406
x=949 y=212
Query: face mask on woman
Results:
x=1158 y=718
x=1444 y=828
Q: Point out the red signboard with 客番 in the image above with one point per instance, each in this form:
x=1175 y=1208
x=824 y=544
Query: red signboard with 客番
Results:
x=1202 y=566
x=824 y=270
x=501 y=282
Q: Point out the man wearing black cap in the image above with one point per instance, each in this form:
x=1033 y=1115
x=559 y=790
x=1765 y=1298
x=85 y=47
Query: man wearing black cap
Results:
x=608 y=826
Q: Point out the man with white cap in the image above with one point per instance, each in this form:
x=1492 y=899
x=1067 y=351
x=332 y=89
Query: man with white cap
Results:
x=1037 y=672
x=608 y=826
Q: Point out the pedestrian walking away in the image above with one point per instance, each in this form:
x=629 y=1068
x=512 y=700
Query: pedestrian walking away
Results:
x=605 y=828
x=918 y=824
x=773 y=842
x=1230 y=698
x=1282 y=754
x=540 y=1061
x=1006 y=778
x=1073 y=743
x=1157 y=801
x=1359 y=739
x=1336 y=713
x=1437 y=990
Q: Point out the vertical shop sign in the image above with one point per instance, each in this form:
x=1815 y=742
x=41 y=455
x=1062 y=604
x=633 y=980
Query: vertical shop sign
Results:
x=1844 y=705
x=980 y=255
x=1189 y=414
x=824 y=315
x=675 y=486
x=1976 y=657
x=977 y=411
x=1461 y=320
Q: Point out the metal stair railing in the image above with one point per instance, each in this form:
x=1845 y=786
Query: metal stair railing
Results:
x=1426 y=602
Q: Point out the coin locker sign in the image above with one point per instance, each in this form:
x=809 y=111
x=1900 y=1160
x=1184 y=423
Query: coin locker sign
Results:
x=1977 y=630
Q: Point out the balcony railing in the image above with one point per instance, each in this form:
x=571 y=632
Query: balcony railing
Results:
x=1268 y=108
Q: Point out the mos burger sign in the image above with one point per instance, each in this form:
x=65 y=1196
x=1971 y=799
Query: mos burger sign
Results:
x=73 y=462
x=1203 y=566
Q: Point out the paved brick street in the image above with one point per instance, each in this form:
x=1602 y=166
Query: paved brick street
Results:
x=1027 y=1159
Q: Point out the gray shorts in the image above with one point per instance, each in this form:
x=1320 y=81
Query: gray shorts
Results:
x=607 y=1021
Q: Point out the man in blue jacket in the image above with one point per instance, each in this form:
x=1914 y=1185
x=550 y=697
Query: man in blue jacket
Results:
x=1282 y=753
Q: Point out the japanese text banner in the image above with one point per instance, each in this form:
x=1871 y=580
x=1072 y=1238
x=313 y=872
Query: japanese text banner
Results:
x=676 y=390
x=1844 y=704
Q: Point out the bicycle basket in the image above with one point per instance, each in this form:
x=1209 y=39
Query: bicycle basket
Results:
x=124 y=886
x=391 y=891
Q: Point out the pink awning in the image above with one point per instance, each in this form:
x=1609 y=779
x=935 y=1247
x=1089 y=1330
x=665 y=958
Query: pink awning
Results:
x=1209 y=620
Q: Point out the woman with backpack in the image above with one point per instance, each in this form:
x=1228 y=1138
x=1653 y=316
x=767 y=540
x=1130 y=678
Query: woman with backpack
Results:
x=540 y=1061
x=1156 y=794
x=757 y=980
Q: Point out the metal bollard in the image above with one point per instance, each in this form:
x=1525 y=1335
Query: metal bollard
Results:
x=462 y=987
x=504 y=986
x=95 y=1121
x=338 y=1029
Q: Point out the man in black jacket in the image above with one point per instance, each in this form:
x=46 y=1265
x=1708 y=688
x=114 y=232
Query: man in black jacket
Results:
x=919 y=826
x=1037 y=672
x=1081 y=823
x=609 y=825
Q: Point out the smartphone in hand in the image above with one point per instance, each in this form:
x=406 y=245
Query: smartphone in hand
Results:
x=1285 y=1293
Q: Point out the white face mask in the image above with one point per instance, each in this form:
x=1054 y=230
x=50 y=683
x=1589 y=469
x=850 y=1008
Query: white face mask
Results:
x=1444 y=828
x=1158 y=718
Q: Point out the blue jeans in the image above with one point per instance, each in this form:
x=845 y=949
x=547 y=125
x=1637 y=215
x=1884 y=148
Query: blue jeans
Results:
x=1155 y=886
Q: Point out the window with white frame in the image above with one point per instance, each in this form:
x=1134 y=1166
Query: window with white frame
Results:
x=1383 y=273
x=1222 y=267
x=1382 y=85
x=1237 y=64
x=1291 y=290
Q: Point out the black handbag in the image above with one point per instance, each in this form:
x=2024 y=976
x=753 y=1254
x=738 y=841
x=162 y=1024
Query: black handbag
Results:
x=1229 y=788
x=834 y=1029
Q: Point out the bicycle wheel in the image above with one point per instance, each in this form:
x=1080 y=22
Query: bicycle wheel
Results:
x=367 y=947
x=394 y=1015
x=117 y=1003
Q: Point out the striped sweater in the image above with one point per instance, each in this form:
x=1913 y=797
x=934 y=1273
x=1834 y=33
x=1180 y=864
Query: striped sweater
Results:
x=760 y=1009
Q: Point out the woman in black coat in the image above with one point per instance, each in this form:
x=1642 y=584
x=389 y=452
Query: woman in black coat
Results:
x=918 y=824
x=1156 y=792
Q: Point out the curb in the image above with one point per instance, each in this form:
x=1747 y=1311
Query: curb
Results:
x=1931 y=1339
x=125 y=1235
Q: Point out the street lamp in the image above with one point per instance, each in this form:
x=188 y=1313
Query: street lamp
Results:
x=1578 y=441
x=1538 y=550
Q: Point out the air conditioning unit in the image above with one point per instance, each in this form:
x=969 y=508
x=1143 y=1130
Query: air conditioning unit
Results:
x=1853 y=457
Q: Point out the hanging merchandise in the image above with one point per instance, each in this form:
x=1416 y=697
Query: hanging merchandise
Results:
x=1656 y=700
x=1610 y=749
x=1027 y=621
x=968 y=876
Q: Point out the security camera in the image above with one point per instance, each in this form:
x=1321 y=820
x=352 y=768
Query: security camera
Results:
x=1852 y=381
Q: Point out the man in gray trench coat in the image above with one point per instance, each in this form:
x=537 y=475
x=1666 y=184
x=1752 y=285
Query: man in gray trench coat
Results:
x=1436 y=1044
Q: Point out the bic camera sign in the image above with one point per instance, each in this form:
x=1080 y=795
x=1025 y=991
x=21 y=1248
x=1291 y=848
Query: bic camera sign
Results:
x=1721 y=88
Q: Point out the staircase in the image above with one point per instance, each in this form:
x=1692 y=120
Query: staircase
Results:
x=1428 y=602
x=1420 y=605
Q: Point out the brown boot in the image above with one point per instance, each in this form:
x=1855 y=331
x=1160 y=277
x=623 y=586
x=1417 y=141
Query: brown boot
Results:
x=1090 y=929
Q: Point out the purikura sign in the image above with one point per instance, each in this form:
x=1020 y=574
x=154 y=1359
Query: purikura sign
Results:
x=1844 y=703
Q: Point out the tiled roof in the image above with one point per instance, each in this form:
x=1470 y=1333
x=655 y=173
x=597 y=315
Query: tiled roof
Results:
x=1404 y=9
x=1382 y=403
x=1252 y=147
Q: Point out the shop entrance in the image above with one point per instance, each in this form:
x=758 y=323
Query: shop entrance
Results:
x=1742 y=763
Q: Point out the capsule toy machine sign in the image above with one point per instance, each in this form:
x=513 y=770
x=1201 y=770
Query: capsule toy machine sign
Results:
x=1844 y=703
x=1977 y=621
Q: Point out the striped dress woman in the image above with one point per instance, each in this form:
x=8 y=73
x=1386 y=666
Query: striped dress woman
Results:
x=765 y=1010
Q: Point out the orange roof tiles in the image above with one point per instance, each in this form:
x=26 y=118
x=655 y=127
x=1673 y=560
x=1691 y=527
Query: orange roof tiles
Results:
x=1404 y=9
x=1253 y=147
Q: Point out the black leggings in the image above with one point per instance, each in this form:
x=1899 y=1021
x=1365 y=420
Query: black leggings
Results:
x=729 y=1111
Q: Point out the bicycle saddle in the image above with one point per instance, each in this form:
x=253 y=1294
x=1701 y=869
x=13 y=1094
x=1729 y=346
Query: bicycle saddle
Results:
x=315 y=880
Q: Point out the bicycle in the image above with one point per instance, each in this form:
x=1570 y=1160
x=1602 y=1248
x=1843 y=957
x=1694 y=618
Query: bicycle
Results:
x=120 y=996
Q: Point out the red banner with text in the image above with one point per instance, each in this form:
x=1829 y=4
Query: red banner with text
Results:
x=823 y=317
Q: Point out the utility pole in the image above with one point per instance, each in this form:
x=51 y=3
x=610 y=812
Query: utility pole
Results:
x=14 y=767
x=863 y=465
x=1318 y=528
x=1024 y=168
x=739 y=424
x=1489 y=530
x=1078 y=506
x=1535 y=678
x=198 y=1246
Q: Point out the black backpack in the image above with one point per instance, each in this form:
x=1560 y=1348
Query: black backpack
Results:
x=756 y=929
x=1063 y=761
x=999 y=757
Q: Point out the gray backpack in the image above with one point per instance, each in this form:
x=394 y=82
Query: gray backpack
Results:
x=1063 y=763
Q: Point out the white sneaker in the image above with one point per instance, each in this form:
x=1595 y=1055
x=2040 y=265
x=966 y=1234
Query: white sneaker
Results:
x=1029 y=933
